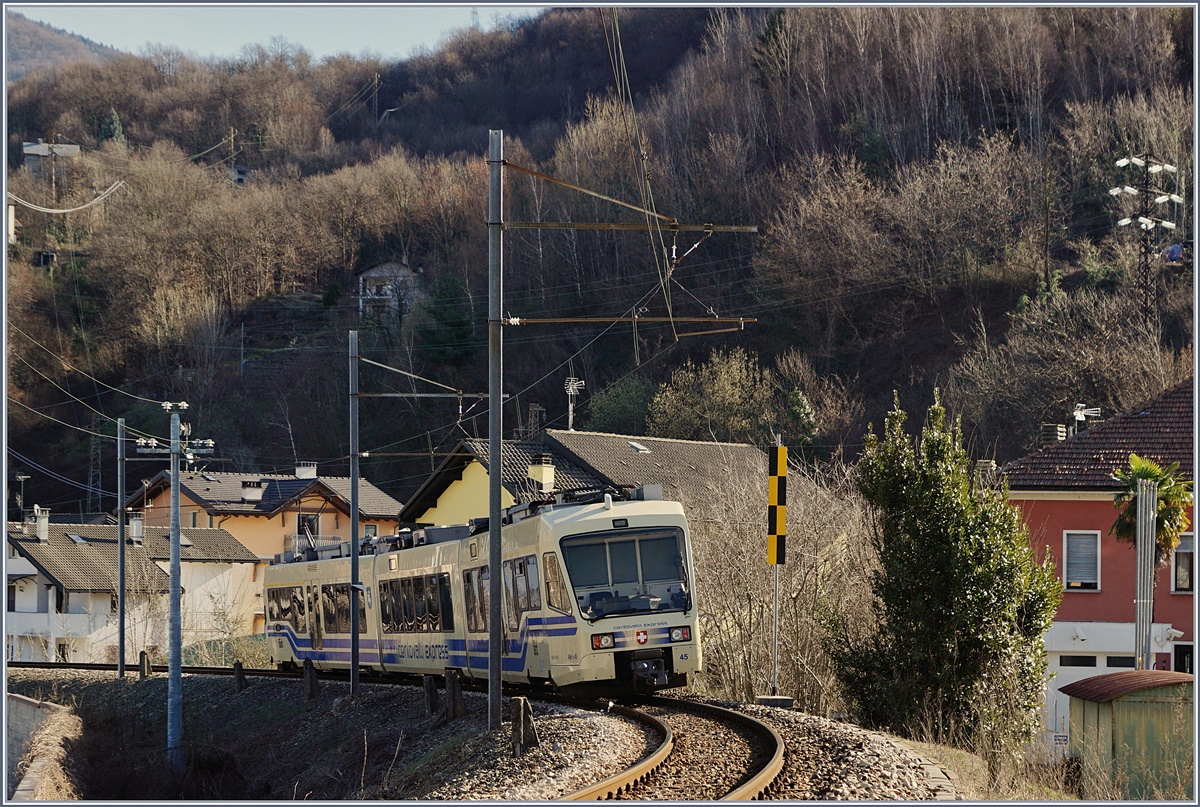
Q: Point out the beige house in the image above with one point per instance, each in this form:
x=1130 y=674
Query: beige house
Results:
x=269 y=513
x=690 y=472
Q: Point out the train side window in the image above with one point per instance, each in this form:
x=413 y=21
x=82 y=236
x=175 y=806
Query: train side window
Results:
x=556 y=592
x=531 y=575
x=419 y=601
x=397 y=606
x=285 y=606
x=385 y=605
x=298 y=610
x=273 y=604
x=407 y=600
x=470 y=604
x=329 y=609
x=342 y=593
x=362 y=612
x=447 y=602
x=433 y=603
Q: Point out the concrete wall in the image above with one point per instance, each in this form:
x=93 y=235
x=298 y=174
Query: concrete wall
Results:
x=25 y=716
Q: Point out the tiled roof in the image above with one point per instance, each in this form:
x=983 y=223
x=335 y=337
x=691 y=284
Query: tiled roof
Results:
x=1160 y=430
x=1104 y=688
x=220 y=492
x=689 y=471
x=92 y=564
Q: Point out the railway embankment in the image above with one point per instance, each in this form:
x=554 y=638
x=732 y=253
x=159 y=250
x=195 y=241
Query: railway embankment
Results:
x=270 y=741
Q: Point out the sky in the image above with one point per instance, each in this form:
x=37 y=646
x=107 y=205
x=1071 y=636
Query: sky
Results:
x=388 y=30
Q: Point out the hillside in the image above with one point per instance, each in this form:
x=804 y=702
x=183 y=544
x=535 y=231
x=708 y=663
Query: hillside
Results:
x=32 y=46
x=930 y=189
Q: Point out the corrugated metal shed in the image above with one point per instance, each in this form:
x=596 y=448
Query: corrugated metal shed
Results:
x=1132 y=733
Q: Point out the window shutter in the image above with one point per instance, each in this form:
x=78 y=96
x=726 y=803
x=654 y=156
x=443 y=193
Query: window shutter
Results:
x=1082 y=559
x=1187 y=543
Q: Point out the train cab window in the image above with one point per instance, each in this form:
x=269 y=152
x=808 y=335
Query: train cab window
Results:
x=624 y=561
x=661 y=559
x=587 y=564
x=556 y=590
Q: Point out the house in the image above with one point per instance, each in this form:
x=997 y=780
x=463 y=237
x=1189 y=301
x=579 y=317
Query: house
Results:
x=690 y=472
x=269 y=513
x=41 y=156
x=1065 y=493
x=63 y=581
x=389 y=290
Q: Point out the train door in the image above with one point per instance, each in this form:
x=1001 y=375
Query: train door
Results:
x=525 y=650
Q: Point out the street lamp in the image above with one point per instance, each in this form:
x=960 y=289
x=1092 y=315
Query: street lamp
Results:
x=21 y=496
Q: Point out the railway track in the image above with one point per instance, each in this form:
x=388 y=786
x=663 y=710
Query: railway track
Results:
x=705 y=752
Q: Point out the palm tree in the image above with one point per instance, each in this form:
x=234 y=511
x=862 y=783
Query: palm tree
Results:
x=1174 y=497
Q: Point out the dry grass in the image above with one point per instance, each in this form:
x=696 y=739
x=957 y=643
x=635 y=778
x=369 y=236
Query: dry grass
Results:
x=1036 y=779
x=56 y=782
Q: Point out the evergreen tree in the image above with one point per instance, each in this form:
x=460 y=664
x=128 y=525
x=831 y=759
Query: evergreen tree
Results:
x=961 y=602
x=442 y=324
x=111 y=128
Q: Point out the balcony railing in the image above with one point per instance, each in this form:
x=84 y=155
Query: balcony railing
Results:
x=299 y=543
x=17 y=623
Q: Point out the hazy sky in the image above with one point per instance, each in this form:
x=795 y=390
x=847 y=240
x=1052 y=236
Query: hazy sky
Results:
x=390 y=30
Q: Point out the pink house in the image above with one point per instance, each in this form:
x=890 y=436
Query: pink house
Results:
x=1065 y=492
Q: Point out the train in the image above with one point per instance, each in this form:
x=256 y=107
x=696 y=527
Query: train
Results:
x=597 y=595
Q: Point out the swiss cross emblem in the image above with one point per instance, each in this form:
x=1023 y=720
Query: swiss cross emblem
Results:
x=642 y=636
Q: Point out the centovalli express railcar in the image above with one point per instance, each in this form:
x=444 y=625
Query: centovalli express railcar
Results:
x=597 y=590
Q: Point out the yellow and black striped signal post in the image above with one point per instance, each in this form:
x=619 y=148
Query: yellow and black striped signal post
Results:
x=777 y=506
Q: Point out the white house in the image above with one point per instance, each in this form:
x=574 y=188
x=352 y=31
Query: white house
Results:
x=389 y=289
x=63 y=582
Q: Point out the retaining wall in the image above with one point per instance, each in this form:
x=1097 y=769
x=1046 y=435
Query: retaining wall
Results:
x=25 y=716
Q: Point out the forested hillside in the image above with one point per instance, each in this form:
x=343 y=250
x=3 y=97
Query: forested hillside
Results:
x=32 y=46
x=930 y=186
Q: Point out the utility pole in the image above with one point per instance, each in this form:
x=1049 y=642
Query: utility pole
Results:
x=175 y=640
x=355 y=585
x=1144 y=542
x=1146 y=193
x=572 y=386
x=121 y=548
x=495 y=421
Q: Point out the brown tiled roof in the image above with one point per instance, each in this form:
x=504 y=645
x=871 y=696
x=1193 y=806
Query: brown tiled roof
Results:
x=1160 y=430
x=220 y=493
x=689 y=471
x=1104 y=688
x=92 y=564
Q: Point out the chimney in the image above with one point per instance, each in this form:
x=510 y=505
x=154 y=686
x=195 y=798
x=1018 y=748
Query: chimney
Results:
x=1050 y=434
x=985 y=471
x=542 y=471
x=42 y=516
x=306 y=470
x=136 y=527
x=252 y=490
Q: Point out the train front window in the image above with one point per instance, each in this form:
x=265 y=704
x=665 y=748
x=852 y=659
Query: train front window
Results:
x=618 y=572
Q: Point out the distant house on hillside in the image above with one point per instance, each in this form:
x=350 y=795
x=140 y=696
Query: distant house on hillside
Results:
x=1065 y=493
x=270 y=513
x=41 y=156
x=63 y=583
x=693 y=473
x=389 y=290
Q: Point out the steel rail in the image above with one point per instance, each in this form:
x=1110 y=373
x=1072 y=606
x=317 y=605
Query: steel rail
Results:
x=758 y=785
x=640 y=771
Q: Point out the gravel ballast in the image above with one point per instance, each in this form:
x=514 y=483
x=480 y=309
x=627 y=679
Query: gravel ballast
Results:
x=270 y=742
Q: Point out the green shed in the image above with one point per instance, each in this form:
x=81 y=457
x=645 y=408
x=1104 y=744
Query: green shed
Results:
x=1132 y=733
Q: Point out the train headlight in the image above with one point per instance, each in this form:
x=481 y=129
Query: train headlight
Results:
x=681 y=634
x=602 y=641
